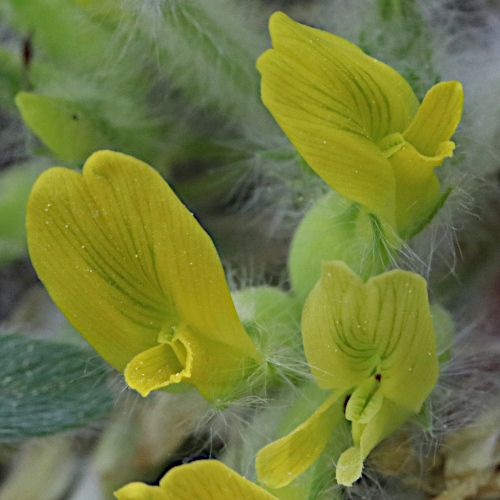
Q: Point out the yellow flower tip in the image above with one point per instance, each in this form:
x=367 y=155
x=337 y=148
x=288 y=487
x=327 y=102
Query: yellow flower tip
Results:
x=436 y=119
x=203 y=480
x=140 y=491
x=108 y=157
x=278 y=18
x=349 y=466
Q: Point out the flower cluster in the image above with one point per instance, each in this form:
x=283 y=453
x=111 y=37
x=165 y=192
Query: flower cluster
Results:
x=136 y=274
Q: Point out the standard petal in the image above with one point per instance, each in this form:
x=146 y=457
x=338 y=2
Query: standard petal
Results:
x=338 y=354
x=348 y=162
x=398 y=320
x=374 y=98
x=280 y=462
x=124 y=259
x=350 y=464
x=209 y=480
x=437 y=118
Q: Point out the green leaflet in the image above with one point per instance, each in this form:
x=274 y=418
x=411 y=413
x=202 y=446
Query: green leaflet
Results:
x=10 y=78
x=64 y=126
x=15 y=185
x=47 y=387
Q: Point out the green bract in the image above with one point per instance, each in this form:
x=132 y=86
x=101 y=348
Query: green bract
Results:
x=336 y=229
x=135 y=273
x=371 y=343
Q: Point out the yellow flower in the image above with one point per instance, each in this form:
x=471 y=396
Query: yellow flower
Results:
x=201 y=480
x=357 y=122
x=135 y=273
x=372 y=343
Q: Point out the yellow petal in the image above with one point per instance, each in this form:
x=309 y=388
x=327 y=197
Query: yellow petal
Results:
x=140 y=491
x=398 y=319
x=353 y=331
x=124 y=259
x=349 y=466
x=335 y=103
x=386 y=421
x=416 y=152
x=156 y=368
x=364 y=95
x=281 y=461
x=417 y=186
x=212 y=367
x=200 y=480
x=437 y=118
x=334 y=358
x=209 y=480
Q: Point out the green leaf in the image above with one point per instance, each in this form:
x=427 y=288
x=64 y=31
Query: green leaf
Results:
x=47 y=387
x=15 y=186
x=61 y=31
x=65 y=127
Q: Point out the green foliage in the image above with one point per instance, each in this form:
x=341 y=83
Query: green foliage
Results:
x=10 y=78
x=404 y=41
x=78 y=68
x=207 y=49
x=47 y=387
x=61 y=30
x=15 y=186
x=173 y=82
